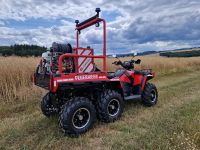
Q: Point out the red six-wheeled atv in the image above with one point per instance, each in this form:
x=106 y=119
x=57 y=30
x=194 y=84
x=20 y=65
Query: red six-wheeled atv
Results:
x=79 y=91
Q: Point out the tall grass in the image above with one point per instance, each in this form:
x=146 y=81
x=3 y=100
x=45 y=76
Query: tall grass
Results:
x=15 y=72
x=15 y=77
x=162 y=65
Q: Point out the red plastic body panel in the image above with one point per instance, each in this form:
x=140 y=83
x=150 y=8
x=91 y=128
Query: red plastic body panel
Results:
x=147 y=78
x=81 y=77
x=138 y=79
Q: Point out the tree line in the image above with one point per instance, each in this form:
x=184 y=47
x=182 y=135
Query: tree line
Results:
x=22 y=50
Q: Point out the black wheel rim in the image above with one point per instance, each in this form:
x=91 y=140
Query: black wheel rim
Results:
x=153 y=96
x=113 y=107
x=81 y=118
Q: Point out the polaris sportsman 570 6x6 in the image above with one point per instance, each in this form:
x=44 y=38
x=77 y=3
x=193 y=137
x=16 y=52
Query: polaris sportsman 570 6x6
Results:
x=79 y=92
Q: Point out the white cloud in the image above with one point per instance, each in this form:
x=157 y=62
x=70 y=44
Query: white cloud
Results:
x=162 y=45
x=24 y=9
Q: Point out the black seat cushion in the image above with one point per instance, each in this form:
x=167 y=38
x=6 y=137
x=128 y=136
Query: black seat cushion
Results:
x=117 y=73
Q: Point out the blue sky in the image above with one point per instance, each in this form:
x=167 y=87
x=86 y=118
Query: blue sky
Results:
x=132 y=25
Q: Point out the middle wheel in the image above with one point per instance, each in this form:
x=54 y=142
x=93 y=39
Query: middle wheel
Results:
x=110 y=105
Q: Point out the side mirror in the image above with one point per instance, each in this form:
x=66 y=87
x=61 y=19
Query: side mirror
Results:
x=135 y=53
x=138 y=61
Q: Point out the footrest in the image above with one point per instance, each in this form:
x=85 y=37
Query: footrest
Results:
x=132 y=97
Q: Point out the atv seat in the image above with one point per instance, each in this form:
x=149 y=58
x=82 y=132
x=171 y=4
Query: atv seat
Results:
x=117 y=73
x=120 y=72
x=143 y=72
x=111 y=75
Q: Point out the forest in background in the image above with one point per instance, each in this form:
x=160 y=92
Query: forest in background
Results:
x=22 y=50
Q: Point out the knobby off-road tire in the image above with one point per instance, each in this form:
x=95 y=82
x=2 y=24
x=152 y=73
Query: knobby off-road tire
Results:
x=150 y=95
x=46 y=105
x=110 y=106
x=77 y=116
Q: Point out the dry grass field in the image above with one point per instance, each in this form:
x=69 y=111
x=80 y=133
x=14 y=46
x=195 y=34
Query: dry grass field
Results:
x=174 y=123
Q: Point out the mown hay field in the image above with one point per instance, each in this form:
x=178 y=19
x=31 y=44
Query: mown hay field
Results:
x=174 y=123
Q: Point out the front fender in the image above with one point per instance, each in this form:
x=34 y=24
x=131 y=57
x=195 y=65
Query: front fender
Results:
x=150 y=76
x=146 y=78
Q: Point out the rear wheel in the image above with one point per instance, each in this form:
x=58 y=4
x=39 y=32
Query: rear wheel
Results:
x=47 y=107
x=77 y=116
x=110 y=106
x=150 y=95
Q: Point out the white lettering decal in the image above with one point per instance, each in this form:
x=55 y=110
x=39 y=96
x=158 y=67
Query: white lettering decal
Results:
x=86 y=77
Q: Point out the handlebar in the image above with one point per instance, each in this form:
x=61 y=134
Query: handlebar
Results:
x=117 y=62
x=127 y=64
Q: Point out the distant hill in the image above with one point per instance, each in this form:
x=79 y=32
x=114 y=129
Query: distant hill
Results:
x=182 y=49
x=185 y=52
x=138 y=54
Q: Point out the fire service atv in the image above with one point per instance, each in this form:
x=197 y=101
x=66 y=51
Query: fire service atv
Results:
x=79 y=91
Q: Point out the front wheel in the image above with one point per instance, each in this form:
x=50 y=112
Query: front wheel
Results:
x=150 y=95
x=77 y=116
